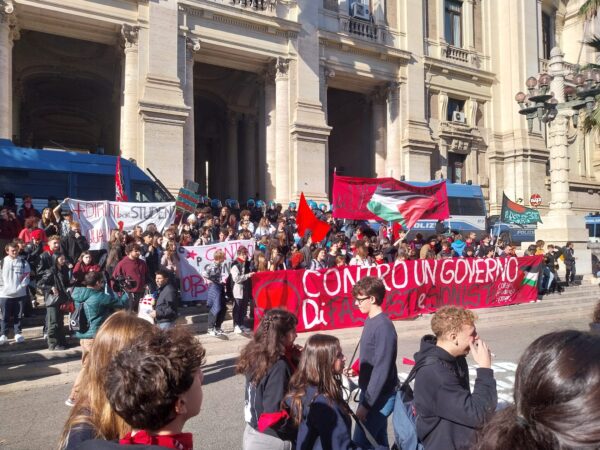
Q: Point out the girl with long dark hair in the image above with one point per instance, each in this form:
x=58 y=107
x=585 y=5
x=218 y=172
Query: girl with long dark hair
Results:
x=556 y=397
x=268 y=362
x=315 y=397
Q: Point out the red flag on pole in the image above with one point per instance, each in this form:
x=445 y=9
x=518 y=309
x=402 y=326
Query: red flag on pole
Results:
x=120 y=195
x=306 y=220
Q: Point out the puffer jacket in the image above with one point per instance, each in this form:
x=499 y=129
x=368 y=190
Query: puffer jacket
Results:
x=98 y=305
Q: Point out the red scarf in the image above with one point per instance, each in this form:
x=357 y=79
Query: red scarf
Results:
x=181 y=441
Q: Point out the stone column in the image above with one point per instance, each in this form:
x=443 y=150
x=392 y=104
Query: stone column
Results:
x=129 y=110
x=270 y=179
x=558 y=141
x=249 y=167
x=231 y=174
x=324 y=75
x=468 y=22
x=379 y=139
x=192 y=46
x=282 y=131
x=6 y=44
x=394 y=132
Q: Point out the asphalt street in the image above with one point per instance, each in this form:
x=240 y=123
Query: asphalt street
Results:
x=32 y=419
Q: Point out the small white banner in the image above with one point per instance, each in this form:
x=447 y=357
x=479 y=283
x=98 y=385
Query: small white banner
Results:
x=193 y=260
x=98 y=218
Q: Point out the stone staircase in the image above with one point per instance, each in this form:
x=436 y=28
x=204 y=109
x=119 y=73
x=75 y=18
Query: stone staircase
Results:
x=21 y=364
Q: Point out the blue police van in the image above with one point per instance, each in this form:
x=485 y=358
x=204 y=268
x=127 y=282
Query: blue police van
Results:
x=57 y=174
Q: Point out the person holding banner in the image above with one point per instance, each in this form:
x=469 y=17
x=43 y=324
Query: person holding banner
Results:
x=216 y=275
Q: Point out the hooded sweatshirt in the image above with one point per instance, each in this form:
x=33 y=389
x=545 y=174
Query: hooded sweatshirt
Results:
x=15 y=277
x=448 y=413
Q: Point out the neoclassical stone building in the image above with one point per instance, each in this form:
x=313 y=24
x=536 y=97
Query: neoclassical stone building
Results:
x=267 y=97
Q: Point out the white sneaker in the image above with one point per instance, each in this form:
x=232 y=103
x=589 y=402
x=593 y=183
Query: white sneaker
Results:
x=237 y=330
x=246 y=329
x=19 y=338
x=70 y=403
x=220 y=332
x=45 y=336
x=3 y=340
x=212 y=332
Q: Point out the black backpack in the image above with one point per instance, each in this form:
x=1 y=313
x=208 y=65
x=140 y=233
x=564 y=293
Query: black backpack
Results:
x=78 y=320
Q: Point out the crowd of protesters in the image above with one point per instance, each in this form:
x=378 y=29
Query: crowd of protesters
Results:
x=145 y=261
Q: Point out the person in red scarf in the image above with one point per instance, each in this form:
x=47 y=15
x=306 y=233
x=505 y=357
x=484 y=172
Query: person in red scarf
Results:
x=157 y=408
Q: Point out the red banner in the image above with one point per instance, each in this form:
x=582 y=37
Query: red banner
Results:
x=322 y=300
x=351 y=195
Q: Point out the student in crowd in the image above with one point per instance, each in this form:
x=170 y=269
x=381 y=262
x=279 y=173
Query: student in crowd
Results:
x=449 y=414
x=13 y=292
x=556 y=397
x=315 y=397
x=97 y=306
x=216 y=274
x=54 y=283
x=74 y=243
x=92 y=417
x=27 y=210
x=83 y=266
x=167 y=300
x=156 y=409
x=242 y=289
x=595 y=323
x=569 y=255
x=134 y=267
x=378 y=375
x=268 y=362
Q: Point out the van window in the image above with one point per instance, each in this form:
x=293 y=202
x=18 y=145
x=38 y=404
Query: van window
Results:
x=466 y=206
x=37 y=183
x=94 y=187
x=147 y=192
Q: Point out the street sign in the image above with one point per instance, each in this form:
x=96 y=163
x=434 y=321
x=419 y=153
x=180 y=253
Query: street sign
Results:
x=535 y=200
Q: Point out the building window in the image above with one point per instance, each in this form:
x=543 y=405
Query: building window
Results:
x=454 y=105
x=452 y=22
x=547 y=35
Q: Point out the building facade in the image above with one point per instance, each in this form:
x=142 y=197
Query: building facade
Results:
x=267 y=98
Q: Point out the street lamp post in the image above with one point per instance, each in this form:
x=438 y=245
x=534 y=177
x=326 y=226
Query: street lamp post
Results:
x=553 y=100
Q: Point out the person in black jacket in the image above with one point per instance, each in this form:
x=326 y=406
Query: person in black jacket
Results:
x=448 y=413
x=74 y=243
x=54 y=283
x=165 y=312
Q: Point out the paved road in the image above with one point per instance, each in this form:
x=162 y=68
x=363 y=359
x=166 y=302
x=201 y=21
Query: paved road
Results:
x=32 y=419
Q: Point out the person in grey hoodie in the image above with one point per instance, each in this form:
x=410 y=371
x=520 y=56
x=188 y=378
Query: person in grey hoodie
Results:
x=13 y=292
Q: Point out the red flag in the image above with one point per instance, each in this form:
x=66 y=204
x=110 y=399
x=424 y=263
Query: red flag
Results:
x=306 y=220
x=351 y=195
x=120 y=195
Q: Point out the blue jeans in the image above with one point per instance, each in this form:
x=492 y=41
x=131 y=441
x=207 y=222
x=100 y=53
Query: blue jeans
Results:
x=11 y=307
x=165 y=325
x=376 y=422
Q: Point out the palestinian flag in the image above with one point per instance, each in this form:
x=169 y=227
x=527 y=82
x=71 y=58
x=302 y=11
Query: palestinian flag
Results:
x=531 y=273
x=398 y=205
x=514 y=213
